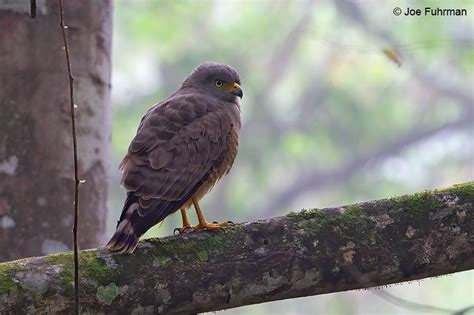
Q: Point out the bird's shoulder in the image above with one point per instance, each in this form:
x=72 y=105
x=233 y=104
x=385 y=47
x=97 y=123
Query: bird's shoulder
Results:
x=184 y=106
x=181 y=118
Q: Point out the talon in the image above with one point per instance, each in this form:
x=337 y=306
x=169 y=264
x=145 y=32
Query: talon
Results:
x=181 y=230
x=230 y=222
x=211 y=226
x=203 y=225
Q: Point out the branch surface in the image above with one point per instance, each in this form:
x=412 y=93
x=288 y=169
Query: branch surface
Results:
x=304 y=253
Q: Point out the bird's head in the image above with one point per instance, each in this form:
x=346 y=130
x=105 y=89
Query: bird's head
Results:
x=219 y=80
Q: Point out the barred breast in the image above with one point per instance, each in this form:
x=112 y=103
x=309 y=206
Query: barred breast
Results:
x=221 y=170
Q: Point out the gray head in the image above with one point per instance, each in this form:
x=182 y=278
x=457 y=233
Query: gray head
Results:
x=219 y=80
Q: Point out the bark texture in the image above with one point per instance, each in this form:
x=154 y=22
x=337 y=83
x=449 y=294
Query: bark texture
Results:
x=36 y=163
x=306 y=253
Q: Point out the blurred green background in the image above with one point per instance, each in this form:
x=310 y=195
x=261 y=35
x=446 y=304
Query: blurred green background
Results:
x=328 y=119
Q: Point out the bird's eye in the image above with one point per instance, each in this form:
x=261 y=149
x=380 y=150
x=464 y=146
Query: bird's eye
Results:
x=218 y=83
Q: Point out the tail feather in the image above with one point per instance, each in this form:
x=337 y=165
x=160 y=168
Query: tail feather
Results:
x=125 y=239
x=132 y=225
x=130 y=205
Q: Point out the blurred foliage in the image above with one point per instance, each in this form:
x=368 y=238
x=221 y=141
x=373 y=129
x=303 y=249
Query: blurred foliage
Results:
x=328 y=119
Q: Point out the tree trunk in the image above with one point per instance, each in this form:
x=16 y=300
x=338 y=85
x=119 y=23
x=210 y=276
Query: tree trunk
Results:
x=307 y=253
x=36 y=162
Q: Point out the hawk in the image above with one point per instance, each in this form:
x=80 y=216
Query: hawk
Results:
x=183 y=146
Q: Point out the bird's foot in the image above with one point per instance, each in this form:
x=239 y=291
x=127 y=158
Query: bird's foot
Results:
x=212 y=226
x=184 y=229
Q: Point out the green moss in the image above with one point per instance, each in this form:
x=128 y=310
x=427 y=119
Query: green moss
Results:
x=108 y=293
x=6 y=283
x=90 y=267
x=417 y=205
x=316 y=220
x=7 y=271
x=59 y=259
x=93 y=268
x=306 y=214
x=465 y=191
x=202 y=256
x=164 y=261
x=352 y=214
x=200 y=250
x=66 y=274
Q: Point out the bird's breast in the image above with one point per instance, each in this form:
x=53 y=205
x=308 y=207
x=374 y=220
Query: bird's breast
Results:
x=224 y=167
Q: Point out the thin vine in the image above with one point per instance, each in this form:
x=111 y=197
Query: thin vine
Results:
x=77 y=181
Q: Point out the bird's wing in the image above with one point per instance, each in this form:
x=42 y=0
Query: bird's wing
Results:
x=178 y=145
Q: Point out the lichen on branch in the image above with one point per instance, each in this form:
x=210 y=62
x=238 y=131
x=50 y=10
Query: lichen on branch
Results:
x=304 y=253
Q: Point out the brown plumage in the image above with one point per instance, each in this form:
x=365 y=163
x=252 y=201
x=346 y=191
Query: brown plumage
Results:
x=183 y=146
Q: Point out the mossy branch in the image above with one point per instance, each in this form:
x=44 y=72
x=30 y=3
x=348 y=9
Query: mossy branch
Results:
x=304 y=253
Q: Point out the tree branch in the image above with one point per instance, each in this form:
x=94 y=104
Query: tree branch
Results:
x=306 y=253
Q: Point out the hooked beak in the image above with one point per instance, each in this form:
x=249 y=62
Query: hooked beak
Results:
x=237 y=90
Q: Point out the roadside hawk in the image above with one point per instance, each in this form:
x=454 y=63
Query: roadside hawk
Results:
x=183 y=146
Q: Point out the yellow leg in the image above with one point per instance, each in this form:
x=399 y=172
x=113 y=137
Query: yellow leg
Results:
x=184 y=217
x=202 y=222
x=186 y=226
